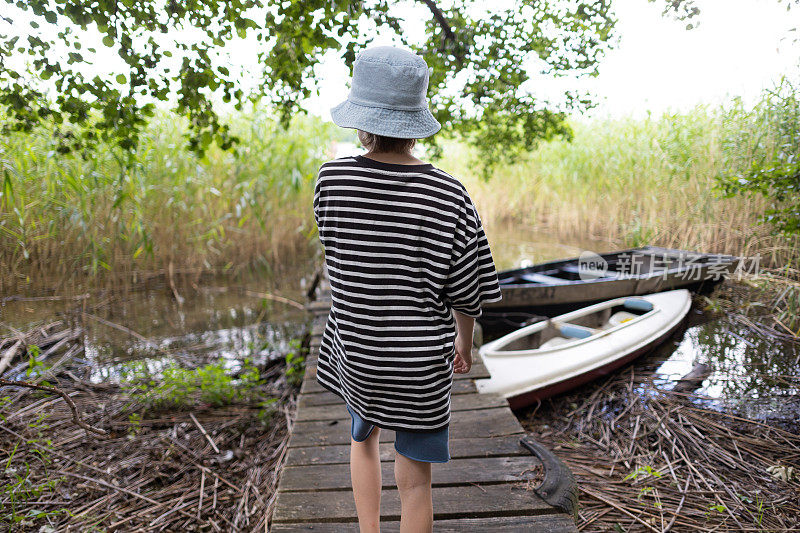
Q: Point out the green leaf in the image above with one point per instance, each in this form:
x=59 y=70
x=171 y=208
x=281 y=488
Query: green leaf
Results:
x=491 y=44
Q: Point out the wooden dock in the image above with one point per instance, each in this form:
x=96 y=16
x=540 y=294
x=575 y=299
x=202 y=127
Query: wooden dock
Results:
x=488 y=485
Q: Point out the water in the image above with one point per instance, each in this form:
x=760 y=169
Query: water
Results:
x=514 y=246
x=218 y=322
x=752 y=374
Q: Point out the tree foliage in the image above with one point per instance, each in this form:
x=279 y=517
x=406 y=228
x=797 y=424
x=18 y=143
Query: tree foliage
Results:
x=765 y=157
x=174 y=52
x=688 y=9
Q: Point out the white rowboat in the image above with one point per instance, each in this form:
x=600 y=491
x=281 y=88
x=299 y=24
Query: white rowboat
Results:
x=552 y=356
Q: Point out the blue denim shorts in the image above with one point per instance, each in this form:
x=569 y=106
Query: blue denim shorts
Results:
x=428 y=447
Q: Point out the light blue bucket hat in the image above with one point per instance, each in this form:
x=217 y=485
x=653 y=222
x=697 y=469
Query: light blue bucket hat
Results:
x=388 y=95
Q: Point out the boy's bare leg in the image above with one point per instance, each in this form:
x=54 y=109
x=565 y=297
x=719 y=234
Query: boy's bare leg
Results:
x=413 y=480
x=365 y=474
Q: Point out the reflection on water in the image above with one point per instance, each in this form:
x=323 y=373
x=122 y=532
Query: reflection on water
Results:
x=219 y=321
x=756 y=376
x=514 y=246
x=752 y=375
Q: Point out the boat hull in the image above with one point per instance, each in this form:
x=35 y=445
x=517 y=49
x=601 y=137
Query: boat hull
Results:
x=529 y=398
x=526 y=376
x=691 y=270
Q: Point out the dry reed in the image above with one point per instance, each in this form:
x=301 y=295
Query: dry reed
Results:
x=650 y=458
x=630 y=182
x=205 y=469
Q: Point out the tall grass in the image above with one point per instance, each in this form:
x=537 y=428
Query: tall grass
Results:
x=69 y=222
x=636 y=181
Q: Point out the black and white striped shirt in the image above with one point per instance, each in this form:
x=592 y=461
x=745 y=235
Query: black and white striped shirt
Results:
x=403 y=245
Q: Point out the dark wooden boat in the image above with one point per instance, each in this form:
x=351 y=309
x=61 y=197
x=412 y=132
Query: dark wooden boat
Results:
x=556 y=287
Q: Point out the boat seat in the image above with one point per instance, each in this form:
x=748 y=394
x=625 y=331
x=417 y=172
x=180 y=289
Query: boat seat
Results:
x=637 y=304
x=573 y=331
x=619 y=317
x=552 y=343
x=535 y=277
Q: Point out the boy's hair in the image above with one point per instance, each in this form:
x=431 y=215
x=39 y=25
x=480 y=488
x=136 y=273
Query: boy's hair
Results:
x=379 y=143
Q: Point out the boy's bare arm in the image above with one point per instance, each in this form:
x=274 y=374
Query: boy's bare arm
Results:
x=463 y=344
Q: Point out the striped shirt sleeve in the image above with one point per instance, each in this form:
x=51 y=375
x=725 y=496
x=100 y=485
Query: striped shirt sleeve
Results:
x=472 y=278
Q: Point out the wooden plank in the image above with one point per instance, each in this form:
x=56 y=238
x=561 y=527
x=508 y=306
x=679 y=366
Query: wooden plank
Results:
x=557 y=523
x=471 y=501
x=461 y=402
x=478 y=371
x=321 y=396
x=311 y=385
x=478 y=368
x=479 y=423
x=459 y=448
x=455 y=472
x=485 y=487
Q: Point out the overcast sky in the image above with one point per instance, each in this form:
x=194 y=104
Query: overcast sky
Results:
x=739 y=48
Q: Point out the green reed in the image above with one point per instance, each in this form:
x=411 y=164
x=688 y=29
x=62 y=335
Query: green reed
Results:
x=72 y=221
x=630 y=182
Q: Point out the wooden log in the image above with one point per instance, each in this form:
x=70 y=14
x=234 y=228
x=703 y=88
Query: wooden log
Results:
x=54 y=343
x=8 y=356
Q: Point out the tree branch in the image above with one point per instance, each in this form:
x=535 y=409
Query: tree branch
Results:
x=439 y=16
x=75 y=416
